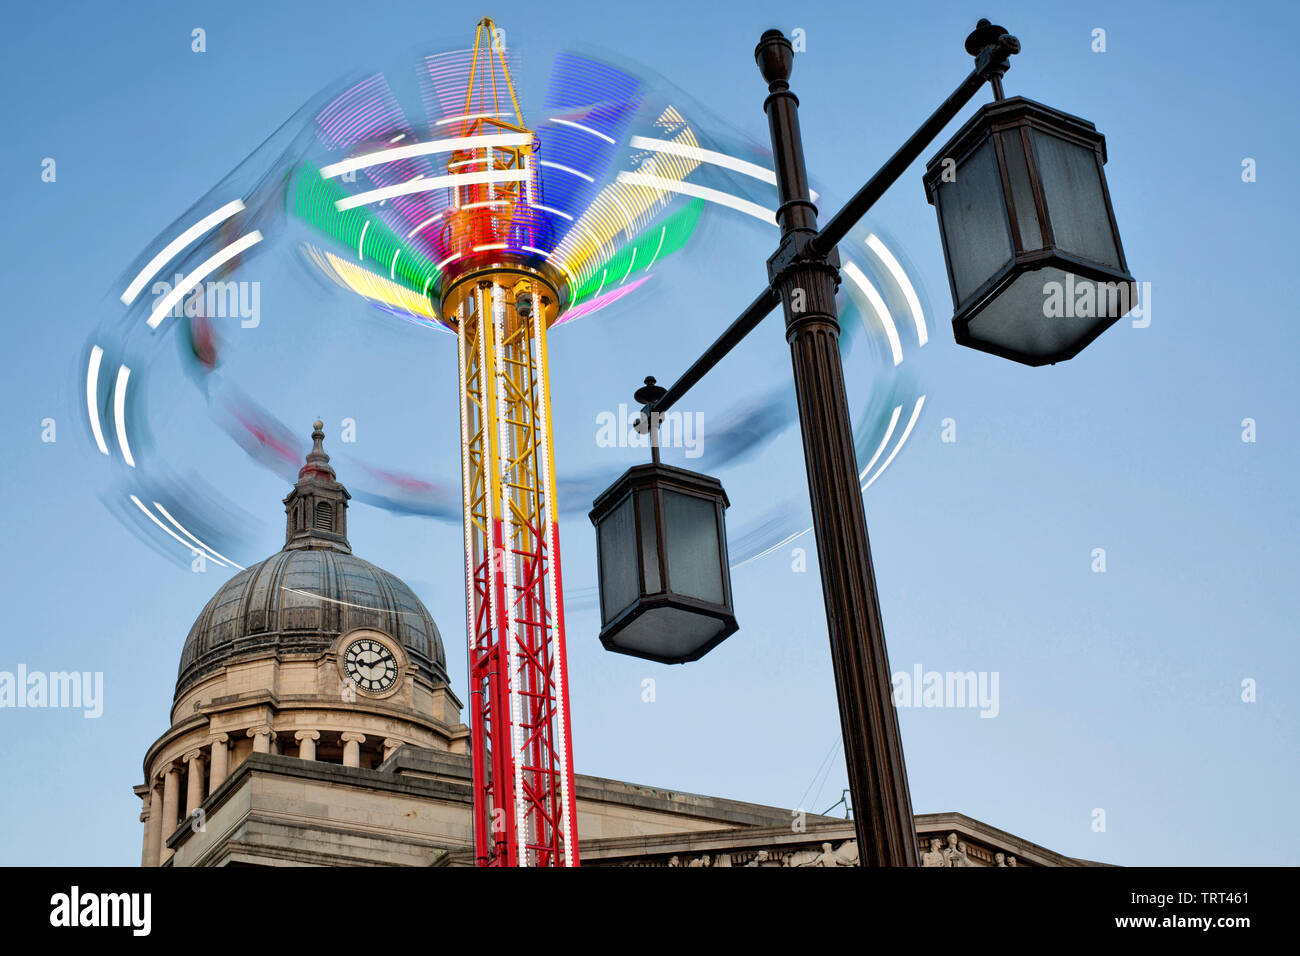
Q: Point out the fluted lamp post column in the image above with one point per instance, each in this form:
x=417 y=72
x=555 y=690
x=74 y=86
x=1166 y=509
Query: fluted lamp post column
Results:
x=806 y=280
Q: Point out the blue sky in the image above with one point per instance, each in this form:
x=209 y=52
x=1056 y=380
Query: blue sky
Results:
x=1119 y=691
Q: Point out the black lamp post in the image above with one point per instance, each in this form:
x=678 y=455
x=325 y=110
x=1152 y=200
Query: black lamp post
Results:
x=1029 y=198
x=806 y=278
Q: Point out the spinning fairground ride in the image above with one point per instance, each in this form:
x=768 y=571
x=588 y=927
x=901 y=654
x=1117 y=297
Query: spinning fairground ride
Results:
x=458 y=216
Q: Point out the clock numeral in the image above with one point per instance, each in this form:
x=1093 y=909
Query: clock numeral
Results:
x=362 y=672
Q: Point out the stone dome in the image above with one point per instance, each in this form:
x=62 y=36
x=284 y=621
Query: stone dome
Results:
x=299 y=600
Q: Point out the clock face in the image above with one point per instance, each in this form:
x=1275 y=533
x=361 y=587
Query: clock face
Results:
x=371 y=665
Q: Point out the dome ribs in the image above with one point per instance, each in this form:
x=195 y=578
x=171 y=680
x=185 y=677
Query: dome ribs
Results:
x=300 y=599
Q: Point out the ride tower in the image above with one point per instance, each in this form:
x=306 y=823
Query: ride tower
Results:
x=501 y=294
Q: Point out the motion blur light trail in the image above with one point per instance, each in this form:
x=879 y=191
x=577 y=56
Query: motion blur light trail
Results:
x=359 y=188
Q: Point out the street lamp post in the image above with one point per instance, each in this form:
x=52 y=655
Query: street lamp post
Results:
x=806 y=279
x=1067 y=186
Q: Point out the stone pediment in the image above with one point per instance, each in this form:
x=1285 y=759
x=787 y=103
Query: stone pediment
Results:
x=962 y=842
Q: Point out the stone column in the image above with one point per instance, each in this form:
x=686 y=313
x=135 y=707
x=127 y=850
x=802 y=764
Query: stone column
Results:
x=220 y=761
x=262 y=737
x=171 y=800
x=156 y=822
x=390 y=744
x=352 y=742
x=150 y=813
x=307 y=743
x=194 y=787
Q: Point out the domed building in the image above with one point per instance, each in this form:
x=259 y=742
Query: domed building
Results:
x=313 y=652
x=313 y=724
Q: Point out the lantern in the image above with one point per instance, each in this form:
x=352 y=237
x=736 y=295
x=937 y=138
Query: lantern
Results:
x=665 y=586
x=1034 y=256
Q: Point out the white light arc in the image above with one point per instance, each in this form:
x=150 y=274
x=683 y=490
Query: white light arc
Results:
x=710 y=156
x=163 y=308
x=92 y=397
x=451 y=145
x=585 y=129
x=176 y=245
x=878 y=306
x=428 y=185
x=119 y=413
x=893 y=423
x=916 y=413
x=154 y=518
x=900 y=276
x=361 y=242
x=216 y=556
x=700 y=192
x=467 y=116
x=566 y=169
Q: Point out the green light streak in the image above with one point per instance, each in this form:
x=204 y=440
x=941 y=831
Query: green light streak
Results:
x=674 y=234
x=313 y=201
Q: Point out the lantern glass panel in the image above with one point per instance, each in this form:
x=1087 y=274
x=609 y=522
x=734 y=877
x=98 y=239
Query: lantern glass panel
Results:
x=694 y=555
x=1022 y=190
x=618 y=560
x=645 y=506
x=1019 y=315
x=975 y=230
x=1076 y=198
x=669 y=632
